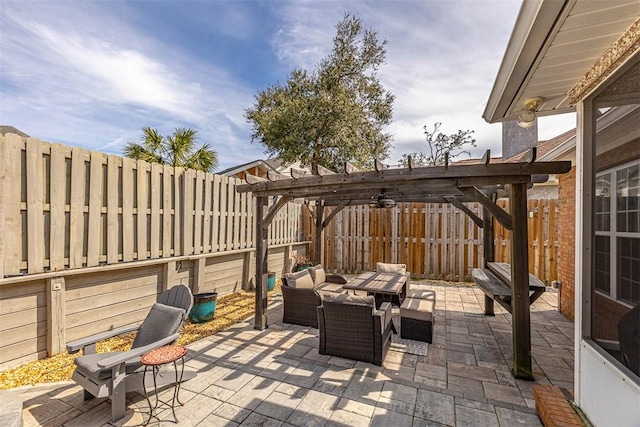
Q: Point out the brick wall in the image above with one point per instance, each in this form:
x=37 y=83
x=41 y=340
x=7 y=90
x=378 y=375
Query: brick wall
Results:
x=567 y=241
x=567 y=236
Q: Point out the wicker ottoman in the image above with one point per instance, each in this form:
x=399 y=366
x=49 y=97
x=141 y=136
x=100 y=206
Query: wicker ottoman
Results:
x=416 y=319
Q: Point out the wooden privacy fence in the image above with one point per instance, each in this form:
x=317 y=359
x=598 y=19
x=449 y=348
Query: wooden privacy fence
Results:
x=436 y=241
x=66 y=208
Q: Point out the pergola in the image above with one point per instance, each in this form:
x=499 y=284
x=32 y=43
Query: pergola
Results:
x=453 y=184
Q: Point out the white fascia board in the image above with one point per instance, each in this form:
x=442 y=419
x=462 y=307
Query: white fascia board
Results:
x=535 y=21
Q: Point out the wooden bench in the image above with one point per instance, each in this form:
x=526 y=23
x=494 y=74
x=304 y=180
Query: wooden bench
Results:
x=494 y=281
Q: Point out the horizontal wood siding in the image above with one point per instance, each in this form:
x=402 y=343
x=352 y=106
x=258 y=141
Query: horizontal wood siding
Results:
x=103 y=301
x=23 y=320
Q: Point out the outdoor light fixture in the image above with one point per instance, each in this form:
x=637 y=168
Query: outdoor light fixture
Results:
x=527 y=116
x=382 y=201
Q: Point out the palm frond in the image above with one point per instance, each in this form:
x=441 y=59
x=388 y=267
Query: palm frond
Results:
x=153 y=141
x=204 y=159
x=139 y=152
x=180 y=145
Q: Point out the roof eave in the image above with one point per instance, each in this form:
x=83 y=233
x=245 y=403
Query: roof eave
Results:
x=534 y=23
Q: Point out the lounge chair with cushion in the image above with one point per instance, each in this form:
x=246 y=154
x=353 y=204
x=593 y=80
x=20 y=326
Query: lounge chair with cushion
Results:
x=351 y=327
x=114 y=374
x=302 y=292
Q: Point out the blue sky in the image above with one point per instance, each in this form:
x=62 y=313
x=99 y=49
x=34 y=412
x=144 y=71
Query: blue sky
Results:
x=92 y=73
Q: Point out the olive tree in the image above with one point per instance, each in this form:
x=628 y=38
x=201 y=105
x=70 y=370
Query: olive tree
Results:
x=334 y=114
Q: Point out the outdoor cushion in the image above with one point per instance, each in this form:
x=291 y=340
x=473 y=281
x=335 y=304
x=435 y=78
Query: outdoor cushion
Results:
x=418 y=309
x=382 y=267
x=162 y=321
x=330 y=287
x=317 y=274
x=89 y=365
x=301 y=280
x=349 y=299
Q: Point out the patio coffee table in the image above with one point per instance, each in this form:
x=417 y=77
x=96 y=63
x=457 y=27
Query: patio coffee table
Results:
x=386 y=287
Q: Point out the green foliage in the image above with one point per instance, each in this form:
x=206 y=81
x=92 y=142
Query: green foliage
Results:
x=334 y=114
x=438 y=145
x=175 y=150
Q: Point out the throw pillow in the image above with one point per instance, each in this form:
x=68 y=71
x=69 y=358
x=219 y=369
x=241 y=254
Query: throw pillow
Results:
x=300 y=280
x=381 y=267
x=317 y=274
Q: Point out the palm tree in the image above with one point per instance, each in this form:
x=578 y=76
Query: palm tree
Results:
x=175 y=150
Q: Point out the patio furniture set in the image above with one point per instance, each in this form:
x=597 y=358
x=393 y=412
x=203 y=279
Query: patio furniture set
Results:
x=357 y=325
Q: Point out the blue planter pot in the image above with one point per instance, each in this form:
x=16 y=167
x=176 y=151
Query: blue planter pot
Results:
x=204 y=307
x=271 y=281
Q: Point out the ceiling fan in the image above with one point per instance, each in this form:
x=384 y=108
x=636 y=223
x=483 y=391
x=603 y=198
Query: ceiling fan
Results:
x=382 y=201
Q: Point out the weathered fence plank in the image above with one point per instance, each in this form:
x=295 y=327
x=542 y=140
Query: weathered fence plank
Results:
x=57 y=223
x=35 y=215
x=76 y=208
x=154 y=217
x=95 y=209
x=113 y=226
x=167 y=211
x=141 y=209
x=127 y=209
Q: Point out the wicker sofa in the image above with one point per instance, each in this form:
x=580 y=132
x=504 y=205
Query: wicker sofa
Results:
x=302 y=292
x=352 y=328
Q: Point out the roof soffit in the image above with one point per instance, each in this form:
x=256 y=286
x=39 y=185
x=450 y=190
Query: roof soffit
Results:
x=581 y=33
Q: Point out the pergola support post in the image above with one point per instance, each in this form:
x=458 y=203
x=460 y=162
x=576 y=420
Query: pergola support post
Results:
x=488 y=252
x=262 y=247
x=318 y=241
x=521 y=325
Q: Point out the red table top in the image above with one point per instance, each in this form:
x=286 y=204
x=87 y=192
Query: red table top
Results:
x=162 y=355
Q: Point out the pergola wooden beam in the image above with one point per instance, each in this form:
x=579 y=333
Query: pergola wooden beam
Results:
x=503 y=217
x=458 y=204
x=499 y=173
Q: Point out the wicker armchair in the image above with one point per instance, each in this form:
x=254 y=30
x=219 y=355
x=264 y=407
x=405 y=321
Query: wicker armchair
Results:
x=352 y=328
x=300 y=303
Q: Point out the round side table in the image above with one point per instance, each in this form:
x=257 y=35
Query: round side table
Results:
x=154 y=360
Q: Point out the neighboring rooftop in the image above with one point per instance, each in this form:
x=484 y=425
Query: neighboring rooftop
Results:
x=542 y=148
x=10 y=129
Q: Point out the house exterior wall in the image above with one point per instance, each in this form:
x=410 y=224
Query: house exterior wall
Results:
x=567 y=242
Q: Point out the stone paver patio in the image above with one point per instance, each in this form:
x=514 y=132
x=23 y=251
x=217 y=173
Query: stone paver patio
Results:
x=277 y=378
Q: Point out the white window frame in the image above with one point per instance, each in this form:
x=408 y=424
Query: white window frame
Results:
x=613 y=234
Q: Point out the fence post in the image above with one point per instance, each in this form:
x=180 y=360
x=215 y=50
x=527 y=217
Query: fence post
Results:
x=198 y=275
x=56 y=329
x=168 y=275
x=247 y=271
x=287 y=259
